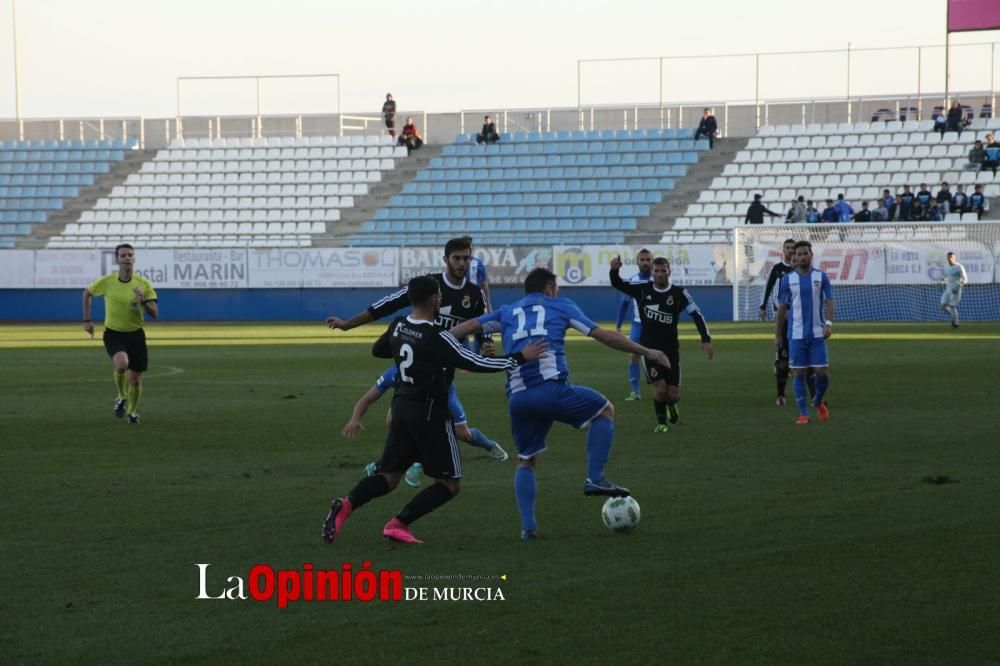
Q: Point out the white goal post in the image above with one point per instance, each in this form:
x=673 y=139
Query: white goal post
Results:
x=879 y=271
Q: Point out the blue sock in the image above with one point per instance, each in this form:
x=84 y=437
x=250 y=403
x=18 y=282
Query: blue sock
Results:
x=811 y=382
x=525 y=490
x=822 y=384
x=599 y=438
x=481 y=440
x=799 y=386
x=633 y=376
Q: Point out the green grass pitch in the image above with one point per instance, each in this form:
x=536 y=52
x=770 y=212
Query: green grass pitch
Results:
x=760 y=542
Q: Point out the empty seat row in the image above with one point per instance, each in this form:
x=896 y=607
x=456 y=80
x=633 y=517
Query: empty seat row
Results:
x=236 y=203
x=526 y=199
x=880 y=179
x=846 y=154
x=582 y=159
x=262 y=153
x=38 y=191
x=215 y=241
x=284 y=141
x=215 y=215
x=81 y=180
x=490 y=238
x=195 y=228
x=289 y=190
x=257 y=178
x=568 y=147
x=555 y=173
x=586 y=135
x=501 y=186
x=31 y=204
x=22 y=216
x=857 y=167
x=694 y=237
x=106 y=144
x=503 y=212
x=460 y=226
x=251 y=166
x=53 y=168
x=61 y=155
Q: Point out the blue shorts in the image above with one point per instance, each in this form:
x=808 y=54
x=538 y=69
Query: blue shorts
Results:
x=808 y=353
x=635 y=331
x=534 y=410
x=455 y=407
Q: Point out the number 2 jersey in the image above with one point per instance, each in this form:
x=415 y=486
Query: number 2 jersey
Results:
x=426 y=357
x=660 y=311
x=537 y=316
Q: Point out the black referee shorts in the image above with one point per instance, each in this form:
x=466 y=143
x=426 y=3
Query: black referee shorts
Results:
x=656 y=372
x=418 y=436
x=132 y=343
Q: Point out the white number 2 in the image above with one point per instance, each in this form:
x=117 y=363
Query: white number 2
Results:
x=406 y=351
x=539 y=328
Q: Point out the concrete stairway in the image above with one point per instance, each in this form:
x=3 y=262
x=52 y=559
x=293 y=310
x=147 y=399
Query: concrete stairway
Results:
x=378 y=196
x=686 y=190
x=57 y=221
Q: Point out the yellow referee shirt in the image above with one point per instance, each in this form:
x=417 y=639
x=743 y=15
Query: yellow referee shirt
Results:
x=122 y=308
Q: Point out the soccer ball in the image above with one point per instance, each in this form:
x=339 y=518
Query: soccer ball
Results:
x=620 y=513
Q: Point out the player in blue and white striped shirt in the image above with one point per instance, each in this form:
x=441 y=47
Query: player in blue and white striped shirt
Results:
x=539 y=392
x=803 y=295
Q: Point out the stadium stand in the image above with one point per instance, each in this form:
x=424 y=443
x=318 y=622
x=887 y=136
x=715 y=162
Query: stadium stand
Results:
x=537 y=188
x=819 y=162
x=277 y=192
x=37 y=178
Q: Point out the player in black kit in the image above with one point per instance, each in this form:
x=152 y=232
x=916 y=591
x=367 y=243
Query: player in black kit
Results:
x=421 y=428
x=781 y=355
x=660 y=306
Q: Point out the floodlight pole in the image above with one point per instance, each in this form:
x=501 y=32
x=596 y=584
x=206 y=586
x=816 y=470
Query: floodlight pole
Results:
x=17 y=72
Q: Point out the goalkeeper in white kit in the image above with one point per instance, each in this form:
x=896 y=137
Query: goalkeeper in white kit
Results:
x=954 y=279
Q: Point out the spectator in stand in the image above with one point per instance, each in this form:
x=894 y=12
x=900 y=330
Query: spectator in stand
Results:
x=797 y=211
x=977 y=155
x=830 y=213
x=906 y=200
x=992 y=154
x=960 y=200
x=881 y=212
x=978 y=203
x=707 y=128
x=956 y=119
x=922 y=203
x=943 y=199
x=934 y=212
x=389 y=114
x=812 y=215
x=863 y=215
x=756 y=210
x=410 y=136
x=844 y=210
x=890 y=205
x=489 y=133
x=940 y=121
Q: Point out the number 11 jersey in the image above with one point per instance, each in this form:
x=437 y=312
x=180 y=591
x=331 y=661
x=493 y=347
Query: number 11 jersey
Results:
x=537 y=316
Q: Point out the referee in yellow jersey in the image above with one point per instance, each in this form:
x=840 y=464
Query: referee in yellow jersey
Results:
x=127 y=297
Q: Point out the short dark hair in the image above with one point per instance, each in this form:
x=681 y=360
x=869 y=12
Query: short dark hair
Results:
x=468 y=239
x=950 y=254
x=120 y=246
x=422 y=289
x=643 y=251
x=661 y=261
x=456 y=245
x=538 y=280
x=804 y=243
x=787 y=241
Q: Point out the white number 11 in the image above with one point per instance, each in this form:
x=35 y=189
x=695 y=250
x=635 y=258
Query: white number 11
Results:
x=539 y=328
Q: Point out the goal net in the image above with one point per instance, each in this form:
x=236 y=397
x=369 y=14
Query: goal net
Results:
x=879 y=272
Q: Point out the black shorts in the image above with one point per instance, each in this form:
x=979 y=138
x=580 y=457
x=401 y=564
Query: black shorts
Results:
x=656 y=372
x=416 y=436
x=132 y=343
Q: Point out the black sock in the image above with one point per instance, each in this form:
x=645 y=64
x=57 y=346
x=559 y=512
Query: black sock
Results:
x=660 y=407
x=424 y=502
x=368 y=489
x=781 y=379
